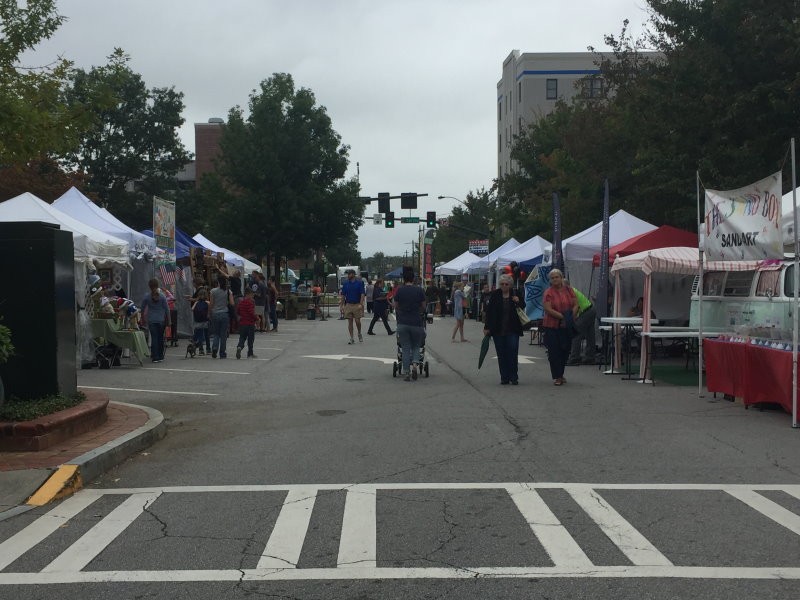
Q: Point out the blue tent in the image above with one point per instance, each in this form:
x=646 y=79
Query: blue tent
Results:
x=396 y=274
x=183 y=242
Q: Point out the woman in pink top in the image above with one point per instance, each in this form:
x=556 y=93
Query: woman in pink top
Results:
x=560 y=307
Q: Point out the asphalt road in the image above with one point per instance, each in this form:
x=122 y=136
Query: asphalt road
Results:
x=311 y=472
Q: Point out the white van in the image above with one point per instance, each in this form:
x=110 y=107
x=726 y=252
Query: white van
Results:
x=756 y=303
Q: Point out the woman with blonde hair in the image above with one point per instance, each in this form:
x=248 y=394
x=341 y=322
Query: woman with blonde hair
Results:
x=502 y=323
x=459 y=300
x=560 y=308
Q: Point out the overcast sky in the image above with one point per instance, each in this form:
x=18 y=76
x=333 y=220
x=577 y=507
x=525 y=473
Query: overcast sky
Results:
x=410 y=85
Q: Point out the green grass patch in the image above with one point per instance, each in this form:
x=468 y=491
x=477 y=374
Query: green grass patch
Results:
x=675 y=375
x=16 y=409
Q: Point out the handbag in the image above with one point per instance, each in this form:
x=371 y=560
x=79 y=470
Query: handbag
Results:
x=524 y=319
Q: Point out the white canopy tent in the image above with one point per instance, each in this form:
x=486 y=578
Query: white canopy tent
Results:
x=485 y=263
x=527 y=250
x=581 y=247
x=458 y=265
x=78 y=206
x=89 y=243
x=231 y=258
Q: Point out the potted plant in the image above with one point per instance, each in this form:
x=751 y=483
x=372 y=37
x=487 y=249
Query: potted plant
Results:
x=6 y=352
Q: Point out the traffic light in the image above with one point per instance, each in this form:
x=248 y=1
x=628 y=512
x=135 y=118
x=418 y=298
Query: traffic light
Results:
x=408 y=200
x=431 y=219
x=389 y=220
x=383 y=202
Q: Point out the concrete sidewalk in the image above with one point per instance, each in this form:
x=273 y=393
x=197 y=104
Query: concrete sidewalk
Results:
x=28 y=479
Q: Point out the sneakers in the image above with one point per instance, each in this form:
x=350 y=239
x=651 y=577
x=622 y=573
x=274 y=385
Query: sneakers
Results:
x=370 y=333
x=238 y=352
x=360 y=338
x=414 y=372
x=213 y=354
x=352 y=341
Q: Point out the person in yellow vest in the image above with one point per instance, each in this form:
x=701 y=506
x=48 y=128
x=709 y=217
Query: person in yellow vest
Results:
x=584 y=330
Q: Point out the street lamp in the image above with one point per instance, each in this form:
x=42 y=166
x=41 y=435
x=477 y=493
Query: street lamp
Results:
x=454 y=198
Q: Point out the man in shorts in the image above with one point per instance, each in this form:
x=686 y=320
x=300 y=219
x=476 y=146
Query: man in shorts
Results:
x=351 y=303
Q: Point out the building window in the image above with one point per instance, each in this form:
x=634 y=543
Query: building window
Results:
x=499 y=142
x=552 y=89
x=500 y=110
x=593 y=87
x=519 y=91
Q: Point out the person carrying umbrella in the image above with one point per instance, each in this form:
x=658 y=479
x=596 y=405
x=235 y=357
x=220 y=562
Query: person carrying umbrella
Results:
x=505 y=329
x=560 y=308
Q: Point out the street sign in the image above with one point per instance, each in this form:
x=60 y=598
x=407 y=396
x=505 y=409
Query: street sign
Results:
x=377 y=218
x=409 y=219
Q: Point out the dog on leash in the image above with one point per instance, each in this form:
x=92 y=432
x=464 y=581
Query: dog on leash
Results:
x=190 y=350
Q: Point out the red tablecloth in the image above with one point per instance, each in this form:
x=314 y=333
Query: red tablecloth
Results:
x=753 y=373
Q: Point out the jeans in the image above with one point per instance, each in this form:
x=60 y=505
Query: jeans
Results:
x=411 y=340
x=273 y=315
x=201 y=337
x=156 y=340
x=507 y=347
x=557 y=341
x=219 y=333
x=247 y=333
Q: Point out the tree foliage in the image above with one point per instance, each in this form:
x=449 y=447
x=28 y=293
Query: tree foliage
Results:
x=34 y=120
x=134 y=137
x=477 y=218
x=284 y=165
x=719 y=95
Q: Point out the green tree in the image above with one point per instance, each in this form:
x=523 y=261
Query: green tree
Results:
x=285 y=167
x=718 y=95
x=34 y=121
x=134 y=137
x=476 y=218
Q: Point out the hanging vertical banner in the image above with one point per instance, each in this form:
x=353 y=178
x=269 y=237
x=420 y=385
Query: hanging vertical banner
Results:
x=558 y=255
x=601 y=303
x=164 y=226
x=744 y=224
x=427 y=255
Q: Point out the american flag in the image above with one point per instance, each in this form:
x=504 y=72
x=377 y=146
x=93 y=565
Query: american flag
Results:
x=168 y=273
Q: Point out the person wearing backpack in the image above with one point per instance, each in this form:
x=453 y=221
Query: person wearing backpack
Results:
x=200 y=318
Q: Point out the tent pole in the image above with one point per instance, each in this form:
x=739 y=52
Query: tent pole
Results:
x=796 y=291
x=699 y=294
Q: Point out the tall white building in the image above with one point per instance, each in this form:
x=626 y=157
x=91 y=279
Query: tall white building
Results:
x=531 y=85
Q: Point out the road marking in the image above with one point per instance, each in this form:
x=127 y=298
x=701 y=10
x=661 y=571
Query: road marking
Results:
x=94 y=541
x=624 y=535
x=563 y=550
x=386 y=361
x=196 y=371
x=95 y=387
x=41 y=528
x=357 y=558
x=357 y=544
x=286 y=541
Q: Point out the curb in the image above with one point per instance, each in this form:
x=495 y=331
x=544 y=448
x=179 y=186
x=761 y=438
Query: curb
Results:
x=72 y=476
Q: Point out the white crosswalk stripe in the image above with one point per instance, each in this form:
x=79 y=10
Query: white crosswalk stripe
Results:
x=358 y=554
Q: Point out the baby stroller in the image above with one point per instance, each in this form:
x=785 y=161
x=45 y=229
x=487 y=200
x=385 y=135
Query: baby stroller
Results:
x=397 y=366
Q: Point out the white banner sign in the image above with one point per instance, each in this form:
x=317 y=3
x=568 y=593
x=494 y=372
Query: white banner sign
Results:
x=744 y=224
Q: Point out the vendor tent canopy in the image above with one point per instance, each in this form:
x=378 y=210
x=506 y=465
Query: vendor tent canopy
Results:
x=230 y=257
x=78 y=206
x=665 y=236
x=183 y=243
x=457 y=266
x=530 y=250
x=396 y=274
x=485 y=263
x=581 y=247
x=89 y=243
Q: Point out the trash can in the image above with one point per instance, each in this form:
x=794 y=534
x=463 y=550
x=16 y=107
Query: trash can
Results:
x=311 y=313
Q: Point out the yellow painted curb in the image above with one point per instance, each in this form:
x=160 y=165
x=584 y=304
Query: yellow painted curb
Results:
x=64 y=482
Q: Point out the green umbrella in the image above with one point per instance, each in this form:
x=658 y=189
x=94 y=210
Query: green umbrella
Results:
x=484 y=349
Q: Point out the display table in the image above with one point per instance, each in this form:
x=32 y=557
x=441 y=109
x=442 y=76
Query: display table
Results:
x=753 y=373
x=132 y=339
x=629 y=327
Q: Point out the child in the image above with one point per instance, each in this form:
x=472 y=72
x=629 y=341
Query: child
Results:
x=246 y=310
x=200 y=317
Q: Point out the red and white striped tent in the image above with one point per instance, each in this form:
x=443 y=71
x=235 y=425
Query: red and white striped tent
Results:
x=676 y=261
